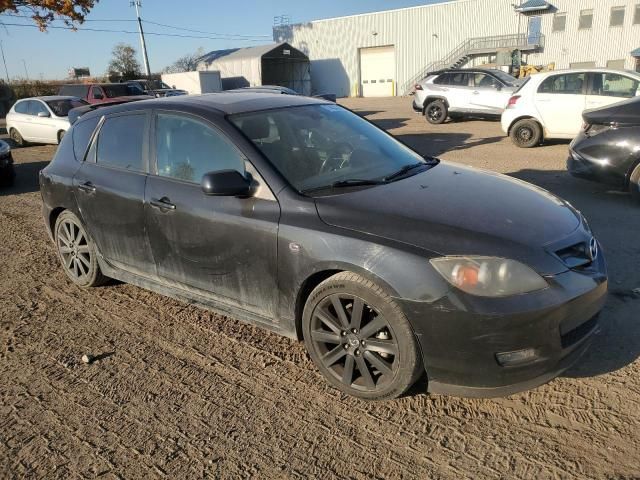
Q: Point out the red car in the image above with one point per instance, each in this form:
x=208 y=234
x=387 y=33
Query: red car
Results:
x=104 y=92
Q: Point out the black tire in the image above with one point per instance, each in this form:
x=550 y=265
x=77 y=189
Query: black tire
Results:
x=15 y=136
x=60 y=135
x=373 y=355
x=634 y=183
x=526 y=133
x=77 y=252
x=436 y=112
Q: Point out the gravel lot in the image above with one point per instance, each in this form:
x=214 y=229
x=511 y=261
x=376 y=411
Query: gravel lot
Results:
x=180 y=392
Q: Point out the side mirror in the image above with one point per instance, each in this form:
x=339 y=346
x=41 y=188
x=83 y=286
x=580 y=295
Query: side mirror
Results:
x=226 y=183
x=44 y=114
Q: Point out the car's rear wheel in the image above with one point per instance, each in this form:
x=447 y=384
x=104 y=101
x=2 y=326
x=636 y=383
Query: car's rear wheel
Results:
x=360 y=339
x=15 y=136
x=77 y=252
x=634 y=183
x=436 y=112
x=526 y=133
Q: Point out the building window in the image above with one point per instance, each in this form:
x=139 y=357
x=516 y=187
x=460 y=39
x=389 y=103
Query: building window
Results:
x=559 y=22
x=616 y=64
x=636 y=16
x=586 y=19
x=617 y=17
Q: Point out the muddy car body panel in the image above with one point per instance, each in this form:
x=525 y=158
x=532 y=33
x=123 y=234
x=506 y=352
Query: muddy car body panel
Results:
x=259 y=256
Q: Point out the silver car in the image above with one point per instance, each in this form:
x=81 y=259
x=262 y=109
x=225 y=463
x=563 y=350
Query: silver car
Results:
x=467 y=92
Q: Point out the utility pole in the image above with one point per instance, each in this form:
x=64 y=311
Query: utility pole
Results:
x=143 y=45
x=25 y=68
x=4 y=61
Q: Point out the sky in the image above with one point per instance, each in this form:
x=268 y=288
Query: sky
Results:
x=49 y=55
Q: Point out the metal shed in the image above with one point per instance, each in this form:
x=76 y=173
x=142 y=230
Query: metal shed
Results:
x=274 y=64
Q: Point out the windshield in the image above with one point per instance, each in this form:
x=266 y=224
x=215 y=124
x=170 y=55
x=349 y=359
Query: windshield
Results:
x=505 y=77
x=61 y=107
x=317 y=146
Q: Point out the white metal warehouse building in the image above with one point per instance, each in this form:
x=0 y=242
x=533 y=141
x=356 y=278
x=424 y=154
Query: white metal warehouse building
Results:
x=385 y=53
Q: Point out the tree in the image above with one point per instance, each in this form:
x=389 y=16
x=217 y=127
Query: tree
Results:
x=44 y=12
x=124 y=61
x=186 y=63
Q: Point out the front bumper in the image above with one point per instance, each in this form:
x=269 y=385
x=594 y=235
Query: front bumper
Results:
x=461 y=336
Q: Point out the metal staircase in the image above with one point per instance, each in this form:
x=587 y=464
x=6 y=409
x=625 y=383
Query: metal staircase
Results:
x=472 y=47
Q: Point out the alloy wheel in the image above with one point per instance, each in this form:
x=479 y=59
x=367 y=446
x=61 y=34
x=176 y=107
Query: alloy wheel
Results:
x=354 y=342
x=435 y=113
x=74 y=250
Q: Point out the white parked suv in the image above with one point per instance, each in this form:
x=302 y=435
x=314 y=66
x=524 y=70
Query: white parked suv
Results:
x=550 y=104
x=465 y=92
x=40 y=119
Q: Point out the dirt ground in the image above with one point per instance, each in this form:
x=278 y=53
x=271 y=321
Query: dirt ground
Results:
x=179 y=392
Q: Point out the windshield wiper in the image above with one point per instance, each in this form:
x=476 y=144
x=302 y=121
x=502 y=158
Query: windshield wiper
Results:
x=351 y=182
x=404 y=170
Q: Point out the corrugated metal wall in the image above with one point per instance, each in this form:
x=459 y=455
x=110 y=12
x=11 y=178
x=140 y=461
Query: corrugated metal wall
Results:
x=428 y=33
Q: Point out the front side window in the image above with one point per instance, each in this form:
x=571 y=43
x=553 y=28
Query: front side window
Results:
x=564 y=84
x=97 y=93
x=614 y=85
x=586 y=20
x=317 y=146
x=187 y=148
x=36 y=107
x=120 y=141
x=559 y=22
x=481 y=80
x=22 y=107
x=117 y=90
x=617 y=17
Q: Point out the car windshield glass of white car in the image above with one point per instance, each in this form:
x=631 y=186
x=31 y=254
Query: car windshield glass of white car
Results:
x=318 y=146
x=61 y=107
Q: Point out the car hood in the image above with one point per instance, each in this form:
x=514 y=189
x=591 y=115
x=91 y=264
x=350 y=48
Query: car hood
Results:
x=456 y=210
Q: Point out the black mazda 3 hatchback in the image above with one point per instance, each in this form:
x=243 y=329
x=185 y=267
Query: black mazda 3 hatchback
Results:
x=299 y=216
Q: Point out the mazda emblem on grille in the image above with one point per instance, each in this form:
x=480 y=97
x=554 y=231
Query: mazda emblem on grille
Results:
x=593 y=248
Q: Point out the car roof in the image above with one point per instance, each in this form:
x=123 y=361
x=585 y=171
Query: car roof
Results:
x=466 y=70
x=585 y=70
x=223 y=102
x=48 y=98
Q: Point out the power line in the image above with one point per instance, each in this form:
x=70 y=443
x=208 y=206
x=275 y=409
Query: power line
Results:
x=208 y=33
x=106 y=30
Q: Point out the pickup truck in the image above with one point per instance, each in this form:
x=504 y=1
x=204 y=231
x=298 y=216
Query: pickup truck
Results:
x=104 y=92
x=157 y=88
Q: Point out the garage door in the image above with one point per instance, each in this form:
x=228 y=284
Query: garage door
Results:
x=378 y=71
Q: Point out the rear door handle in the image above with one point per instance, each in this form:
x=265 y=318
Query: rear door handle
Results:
x=163 y=204
x=87 y=187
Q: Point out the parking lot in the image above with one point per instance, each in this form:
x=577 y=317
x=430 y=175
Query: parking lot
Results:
x=183 y=393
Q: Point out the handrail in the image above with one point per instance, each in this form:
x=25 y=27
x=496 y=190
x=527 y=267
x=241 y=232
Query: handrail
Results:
x=474 y=45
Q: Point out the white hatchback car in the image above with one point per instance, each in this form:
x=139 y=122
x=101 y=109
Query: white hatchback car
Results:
x=550 y=104
x=40 y=119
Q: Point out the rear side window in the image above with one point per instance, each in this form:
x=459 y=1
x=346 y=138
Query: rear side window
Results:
x=571 y=83
x=459 y=79
x=82 y=132
x=36 y=107
x=120 y=142
x=186 y=149
x=614 y=85
x=22 y=107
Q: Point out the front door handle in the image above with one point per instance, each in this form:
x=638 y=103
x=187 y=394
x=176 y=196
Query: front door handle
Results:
x=87 y=187
x=163 y=204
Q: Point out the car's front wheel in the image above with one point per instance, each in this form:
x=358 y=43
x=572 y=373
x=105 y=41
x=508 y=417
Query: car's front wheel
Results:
x=360 y=339
x=436 y=112
x=77 y=252
x=526 y=133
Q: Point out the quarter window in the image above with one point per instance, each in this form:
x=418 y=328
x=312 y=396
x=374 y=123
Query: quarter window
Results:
x=617 y=17
x=120 y=142
x=559 y=22
x=186 y=149
x=586 y=19
x=82 y=132
x=563 y=84
x=442 y=79
x=614 y=85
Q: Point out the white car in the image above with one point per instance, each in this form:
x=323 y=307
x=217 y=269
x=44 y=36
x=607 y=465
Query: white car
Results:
x=40 y=119
x=461 y=93
x=550 y=104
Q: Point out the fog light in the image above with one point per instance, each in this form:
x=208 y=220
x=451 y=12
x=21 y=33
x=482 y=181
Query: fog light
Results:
x=519 y=357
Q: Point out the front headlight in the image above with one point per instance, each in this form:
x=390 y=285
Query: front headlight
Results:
x=488 y=276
